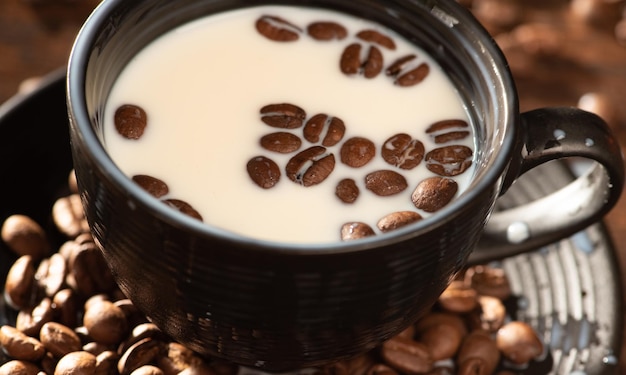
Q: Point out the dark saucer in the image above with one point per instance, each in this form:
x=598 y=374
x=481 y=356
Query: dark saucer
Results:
x=569 y=291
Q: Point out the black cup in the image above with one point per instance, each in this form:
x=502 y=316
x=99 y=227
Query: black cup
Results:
x=279 y=306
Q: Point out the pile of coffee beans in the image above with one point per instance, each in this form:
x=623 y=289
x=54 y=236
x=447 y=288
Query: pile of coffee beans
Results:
x=71 y=318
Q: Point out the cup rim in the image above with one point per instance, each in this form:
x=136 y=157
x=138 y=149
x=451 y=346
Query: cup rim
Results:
x=80 y=121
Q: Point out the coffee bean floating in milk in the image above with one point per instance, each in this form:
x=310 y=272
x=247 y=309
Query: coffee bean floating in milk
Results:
x=320 y=127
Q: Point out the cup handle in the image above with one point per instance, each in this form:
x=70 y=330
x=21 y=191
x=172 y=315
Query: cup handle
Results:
x=555 y=133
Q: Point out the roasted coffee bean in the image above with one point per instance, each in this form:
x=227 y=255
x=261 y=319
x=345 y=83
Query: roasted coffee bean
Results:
x=95 y=348
x=498 y=16
x=381 y=369
x=398 y=65
x=327 y=30
x=134 y=317
x=492 y=313
x=89 y=273
x=148 y=370
x=443 y=340
x=105 y=322
x=311 y=166
x=32 y=319
x=406 y=356
x=263 y=171
x=449 y=160
x=442 y=369
x=177 y=358
x=385 y=182
x=152 y=185
x=130 y=121
x=18 y=345
x=84 y=238
x=106 y=362
x=407 y=71
x=519 y=342
x=603 y=105
x=15 y=367
x=95 y=299
x=489 y=281
x=442 y=332
x=373 y=64
x=408 y=332
x=458 y=297
x=59 y=339
x=601 y=14
x=140 y=332
x=402 y=151
x=48 y=363
x=347 y=190
x=414 y=76
x=479 y=344
x=448 y=130
x=329 y=129
x=281 y=142
x=81 y=331
x=397 y=220
x=376 y=37
x=451 y=136
x=65 y=305
x=433 y=193
x=351 y=62
x=620 y=31
x=355 y=231
x=51 y=274
x=199 y=369
x=277 y=29
x=360 y=364
x=283 y=115
x=24 y=236
x=357 y=151
x=20 y=288
x=473 y=366
x=440 y=317
x=143 y=352
x=183 y=207
x=76 y=363
x=445 y=125
x=69 y=217
x=537 y=40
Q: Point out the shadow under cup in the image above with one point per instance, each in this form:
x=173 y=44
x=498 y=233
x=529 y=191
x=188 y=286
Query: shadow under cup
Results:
x=270 y=305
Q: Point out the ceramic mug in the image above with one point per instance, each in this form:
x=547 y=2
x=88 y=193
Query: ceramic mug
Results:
x=280 y=306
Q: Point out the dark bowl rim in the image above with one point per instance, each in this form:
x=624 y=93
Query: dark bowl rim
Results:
x=79 y=120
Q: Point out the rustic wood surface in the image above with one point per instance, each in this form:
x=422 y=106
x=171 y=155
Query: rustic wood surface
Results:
x=558 y=51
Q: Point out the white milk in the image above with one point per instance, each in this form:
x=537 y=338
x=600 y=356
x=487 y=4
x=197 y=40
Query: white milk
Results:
x=202 y=86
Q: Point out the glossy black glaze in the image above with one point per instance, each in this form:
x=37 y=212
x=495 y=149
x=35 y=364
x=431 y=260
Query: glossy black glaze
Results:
x=271 y=305
x=550 y=134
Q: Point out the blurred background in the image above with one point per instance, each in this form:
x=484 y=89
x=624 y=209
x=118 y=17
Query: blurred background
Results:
x=561 y=52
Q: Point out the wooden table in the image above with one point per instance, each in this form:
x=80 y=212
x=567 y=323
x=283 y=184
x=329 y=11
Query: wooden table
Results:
x=36 y=37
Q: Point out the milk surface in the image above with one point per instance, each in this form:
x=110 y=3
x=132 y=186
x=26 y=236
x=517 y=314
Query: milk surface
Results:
x=202 y=86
